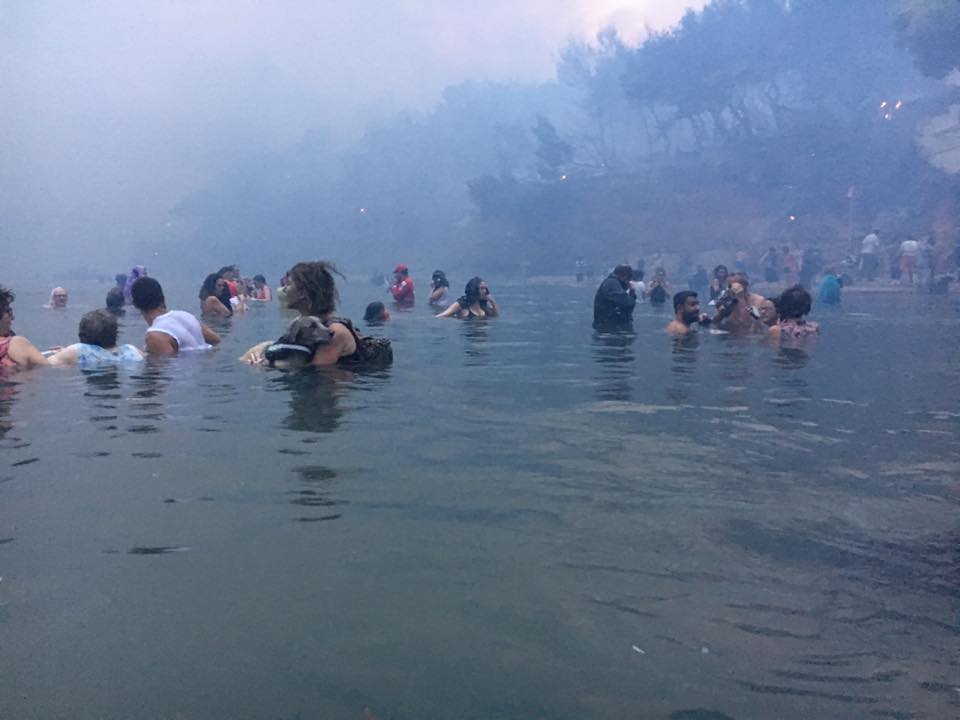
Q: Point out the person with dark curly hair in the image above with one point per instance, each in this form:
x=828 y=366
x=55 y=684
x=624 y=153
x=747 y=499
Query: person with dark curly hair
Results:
x=476 y=302
x=439 y=285
x=794 y=303
x=312 y=291
x=15 y=351
x=215 y=297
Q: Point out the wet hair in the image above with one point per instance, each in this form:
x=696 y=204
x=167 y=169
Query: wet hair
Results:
x=624 y=271
x=744 y=279
x=115 y=300
x=794 y=303
x=259 y=279
x=374 y=312
x=209 y=286
x=6 y=300
x=718 y=268
x=439 y=279
x=680 y=298
x=120 y=279
x=636 y=275
x=147 y=294
x=472 y=290
x=312 y=289
x=98 y=327
x=225 y=269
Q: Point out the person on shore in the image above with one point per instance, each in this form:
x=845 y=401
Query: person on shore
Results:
x=614 y=301
x=312 y=292
x=580 y=267
x=402 y=288
x=811 y=265
x=475 y=303
x=115 y=302
x=870 y=255
x=58 y=299
x=136 y=272
x=791 y=266
x=439 y=288
x=719 y=282
x=770 y=261
x=98 y=344
x=15 y=351
x=169 y=332
x=215 y=297
x=376 y=313
x=686 y=313
x=909 y=251
x=794 y=304
x=261 y=291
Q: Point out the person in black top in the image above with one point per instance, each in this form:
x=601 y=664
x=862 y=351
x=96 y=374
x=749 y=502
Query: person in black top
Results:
x=614 y=302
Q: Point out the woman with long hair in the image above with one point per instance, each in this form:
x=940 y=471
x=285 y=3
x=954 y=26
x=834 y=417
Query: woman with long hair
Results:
x=15 y=351
x=215 y=297
x=476 y=302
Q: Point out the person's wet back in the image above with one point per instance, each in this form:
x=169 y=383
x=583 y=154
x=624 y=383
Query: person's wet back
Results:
x=15 y=351
x=614 y=301
x=169 y=332
x=98 y=344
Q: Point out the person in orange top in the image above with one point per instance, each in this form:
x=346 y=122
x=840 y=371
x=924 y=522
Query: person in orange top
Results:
x=402 y=288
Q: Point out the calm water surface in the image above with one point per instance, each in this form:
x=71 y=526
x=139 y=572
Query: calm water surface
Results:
x=520 y=519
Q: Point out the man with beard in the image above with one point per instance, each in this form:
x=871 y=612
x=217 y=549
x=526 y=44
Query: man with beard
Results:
x=686 y=309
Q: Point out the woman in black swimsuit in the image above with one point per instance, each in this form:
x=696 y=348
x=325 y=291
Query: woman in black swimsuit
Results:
x=476 y=302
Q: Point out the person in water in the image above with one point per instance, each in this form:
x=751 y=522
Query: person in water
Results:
x=402 y=288
x=137 y=272
x=794 y=304
x=376 y=313
x=58 y=299
x=15 y=351
x=830 y=287
x=98 y=344
x=115 y=301
x=614 y=301
x=439 y=287
x=739 y=308
x=686 y=313
x=215 y=297
x=169 y=332
x=769 y=315
x=261 y=291
x=476 y=302
x=311 y=291
x=658 y=288
x=719 y=282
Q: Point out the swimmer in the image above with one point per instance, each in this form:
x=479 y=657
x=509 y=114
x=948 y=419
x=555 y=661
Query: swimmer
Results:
x=476 y=302
x=769 y=315
x=261 y=291
x=376 y=313
x=794 y=303
x=686 y=310
x=98 y=344
x=58 y=299
x=311 y=291
x=439 y=285
x=215 y=297
x=15 y=351
x=169 y=332
x=402 y=288
x=738 y=310
x=115 y=301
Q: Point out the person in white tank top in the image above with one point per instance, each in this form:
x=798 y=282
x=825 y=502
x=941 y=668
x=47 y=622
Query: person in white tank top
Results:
x=169 y=331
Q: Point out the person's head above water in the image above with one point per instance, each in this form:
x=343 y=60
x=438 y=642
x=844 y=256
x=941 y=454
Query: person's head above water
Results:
x=686 y=307
x=439 y=279
x=215 y=285
x=794 y=303
x=476 y=290
x=115 y=300
x=401 y=270
x=6 y=311
x=120 y=279
x=312 y=290
x=769 y=315
x=376 y=312
x=259 y=281
x=98 y=327
x=147 y=295
x=721 y=273
x=58 y=297
x=623 y=273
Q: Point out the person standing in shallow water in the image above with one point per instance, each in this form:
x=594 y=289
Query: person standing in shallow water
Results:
x=15 y=351
x=402 y=288
x=169 y=332
x=614 y=301
x=476 y=302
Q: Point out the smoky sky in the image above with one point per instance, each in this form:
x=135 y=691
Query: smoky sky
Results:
x=113 y=111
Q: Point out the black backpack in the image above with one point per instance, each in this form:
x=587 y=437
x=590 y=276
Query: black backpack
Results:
x=371 y=352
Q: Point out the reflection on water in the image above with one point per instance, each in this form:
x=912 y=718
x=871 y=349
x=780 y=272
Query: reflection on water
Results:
x=532 y=520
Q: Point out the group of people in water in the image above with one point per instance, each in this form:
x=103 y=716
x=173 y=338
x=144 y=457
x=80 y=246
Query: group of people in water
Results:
x=737 y=309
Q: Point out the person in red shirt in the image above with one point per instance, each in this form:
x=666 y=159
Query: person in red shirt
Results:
x=402 y=288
